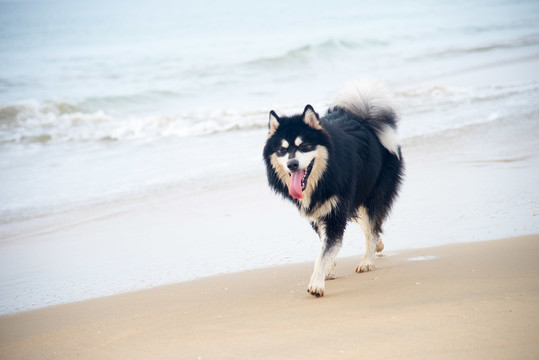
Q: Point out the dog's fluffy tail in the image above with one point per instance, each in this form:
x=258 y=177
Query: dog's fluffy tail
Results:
x=370 y=101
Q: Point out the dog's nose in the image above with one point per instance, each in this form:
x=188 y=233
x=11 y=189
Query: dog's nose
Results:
x=293 y=165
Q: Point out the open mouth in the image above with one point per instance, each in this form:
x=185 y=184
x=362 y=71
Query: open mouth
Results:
x=298 y=181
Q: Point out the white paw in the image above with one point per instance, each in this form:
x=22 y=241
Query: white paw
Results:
x=365 y=266
x=316 y=288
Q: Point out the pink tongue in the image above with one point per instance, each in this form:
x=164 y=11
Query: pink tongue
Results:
x=295 y=184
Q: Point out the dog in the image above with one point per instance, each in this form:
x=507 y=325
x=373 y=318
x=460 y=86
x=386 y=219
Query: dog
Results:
x=345 y=166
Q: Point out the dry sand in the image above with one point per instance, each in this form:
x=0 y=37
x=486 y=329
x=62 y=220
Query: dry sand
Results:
x=472 y=301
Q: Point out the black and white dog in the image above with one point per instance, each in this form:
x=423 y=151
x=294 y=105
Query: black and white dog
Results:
x=344 y=166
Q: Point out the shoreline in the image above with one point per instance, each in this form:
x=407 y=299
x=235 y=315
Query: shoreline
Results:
x=418 y=303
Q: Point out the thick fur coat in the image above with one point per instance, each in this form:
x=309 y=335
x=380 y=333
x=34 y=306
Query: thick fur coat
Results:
x=344 y=166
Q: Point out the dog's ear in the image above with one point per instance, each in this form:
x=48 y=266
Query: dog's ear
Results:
x=273 y=123
x=310 y=117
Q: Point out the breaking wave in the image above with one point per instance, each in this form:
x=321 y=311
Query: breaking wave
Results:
x=56 y=122
x=423 y=110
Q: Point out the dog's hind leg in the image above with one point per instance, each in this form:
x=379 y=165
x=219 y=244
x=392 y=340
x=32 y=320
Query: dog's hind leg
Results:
x=331 y=272
x=330 y=233
x=379 y=245
x=373 y=243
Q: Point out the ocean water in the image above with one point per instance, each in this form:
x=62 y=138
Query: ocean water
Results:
x=103 y=101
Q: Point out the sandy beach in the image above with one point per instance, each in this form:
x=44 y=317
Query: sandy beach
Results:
x=473 y=301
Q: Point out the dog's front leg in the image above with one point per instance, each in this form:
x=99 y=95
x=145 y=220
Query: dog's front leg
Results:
x=330 y=233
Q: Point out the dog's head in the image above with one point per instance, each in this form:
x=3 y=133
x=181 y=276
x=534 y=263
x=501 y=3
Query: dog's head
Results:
x=297 y=150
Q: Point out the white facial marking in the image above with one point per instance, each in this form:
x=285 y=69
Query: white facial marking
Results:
x=305 y=158
x=283 y=160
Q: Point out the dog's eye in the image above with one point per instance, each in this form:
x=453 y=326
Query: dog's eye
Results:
x=281 y=151
x=306 y=147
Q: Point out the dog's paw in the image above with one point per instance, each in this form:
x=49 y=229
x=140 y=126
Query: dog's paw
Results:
x=315 y=291
x=364 y=267
x=316 y=288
